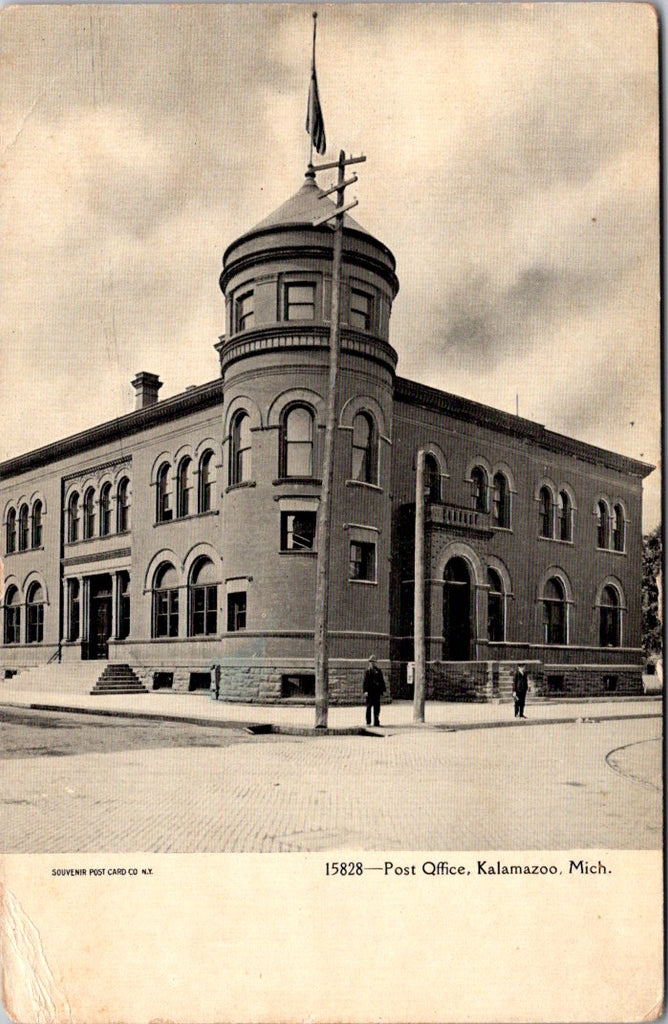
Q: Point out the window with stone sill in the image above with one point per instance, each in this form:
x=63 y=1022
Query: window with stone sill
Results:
x=299 y=301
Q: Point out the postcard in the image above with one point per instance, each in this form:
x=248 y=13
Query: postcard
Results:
x=330 y=475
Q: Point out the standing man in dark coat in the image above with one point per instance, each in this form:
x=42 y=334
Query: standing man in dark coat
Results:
x=520 y=687
x=373 y=688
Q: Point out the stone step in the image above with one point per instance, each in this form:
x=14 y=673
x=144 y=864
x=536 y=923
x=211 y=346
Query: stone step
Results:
x=118 y=678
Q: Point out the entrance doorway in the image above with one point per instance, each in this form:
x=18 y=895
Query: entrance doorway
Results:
x=457 y=618
x=100 y=617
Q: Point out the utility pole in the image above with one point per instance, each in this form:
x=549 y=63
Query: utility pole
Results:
x=325 y=509
x=418 y=594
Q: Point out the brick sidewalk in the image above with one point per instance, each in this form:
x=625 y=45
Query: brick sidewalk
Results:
x=397 y=715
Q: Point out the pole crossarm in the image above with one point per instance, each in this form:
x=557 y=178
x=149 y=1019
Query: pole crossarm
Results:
x=340 y=210
x=340 y=163
x=337 y=188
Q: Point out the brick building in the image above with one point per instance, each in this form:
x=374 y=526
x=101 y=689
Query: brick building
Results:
x=181 y=536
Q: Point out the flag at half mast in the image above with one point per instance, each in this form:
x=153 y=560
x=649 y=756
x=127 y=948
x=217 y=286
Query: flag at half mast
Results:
x=315 y=124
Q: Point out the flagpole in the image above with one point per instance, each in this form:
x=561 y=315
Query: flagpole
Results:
x=311 y=94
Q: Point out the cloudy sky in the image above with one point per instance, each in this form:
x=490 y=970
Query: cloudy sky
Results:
x=511 y=167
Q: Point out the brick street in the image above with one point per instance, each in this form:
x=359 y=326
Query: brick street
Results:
x=544 y=787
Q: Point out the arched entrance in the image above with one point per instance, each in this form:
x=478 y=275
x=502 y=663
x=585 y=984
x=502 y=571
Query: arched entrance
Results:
x=457 y=611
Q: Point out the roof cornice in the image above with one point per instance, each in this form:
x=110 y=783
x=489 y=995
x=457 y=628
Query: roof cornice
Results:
x=202 y=396
x=484 y=415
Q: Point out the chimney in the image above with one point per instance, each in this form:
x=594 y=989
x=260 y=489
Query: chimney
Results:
x=146 y=387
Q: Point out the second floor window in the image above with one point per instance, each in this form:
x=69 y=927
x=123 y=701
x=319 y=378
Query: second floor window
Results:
x=123 y=506
x=240 y=452
x=73 y=519
x=89 y=514
x=602 y=525
x=479 y=489
x=184 y=487
x=545 y=512
x=618 y=529
x=206 y=479
x=105 y=510
x=37 y=524
x=365 y=449
x=11 y=531
x=565 y=516
x=501 y=502
x=297 y=442
x=163 y=495
x=23 y=528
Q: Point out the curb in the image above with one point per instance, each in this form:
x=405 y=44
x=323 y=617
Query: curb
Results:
x=268 y=728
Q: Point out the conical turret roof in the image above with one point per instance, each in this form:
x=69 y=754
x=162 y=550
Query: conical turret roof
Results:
x=304 y=207
x=300 y=211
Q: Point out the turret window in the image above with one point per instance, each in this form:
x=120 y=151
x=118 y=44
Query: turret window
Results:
x=365 y=449
x=240 y=452
x=244 y=311
x=297 y=442
x=361 y=309
x=300 y=302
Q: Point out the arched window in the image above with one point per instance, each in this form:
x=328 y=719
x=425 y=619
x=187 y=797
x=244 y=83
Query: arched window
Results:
x=11 y=531
x=35 y=614
x=105 y=510
x=602 y=525
x=479 y=489
x=164 y=495
x=165 y=601
x=206 y=482
x=501 y=502
x=73 y=518
x=565 y=516
x=203 y=599
x=12 y=630
x=297 y=442
x=432 y=479
x=24 y=532
x=89 y=514
x=618 y=529
x=123 y=506
x=554 y=612
x=37 y=524
x=184 y=487
x=74 y=610
x=240 y=450
x=609 y=618
x=496 y=625
x=365 y=449
x=545 y=511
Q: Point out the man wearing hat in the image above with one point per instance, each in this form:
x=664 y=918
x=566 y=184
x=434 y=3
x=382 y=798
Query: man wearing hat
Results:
x=373 y=688
x=520 y=687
